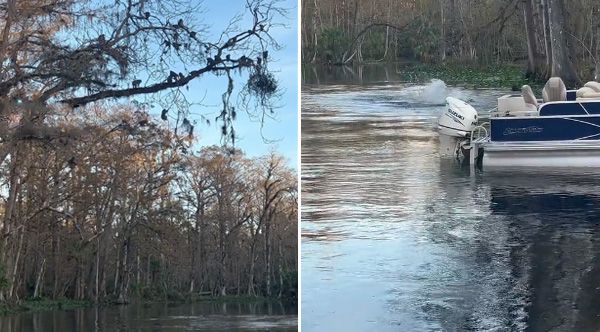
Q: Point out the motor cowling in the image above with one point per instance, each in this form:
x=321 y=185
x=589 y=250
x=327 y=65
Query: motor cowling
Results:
x=458 y=120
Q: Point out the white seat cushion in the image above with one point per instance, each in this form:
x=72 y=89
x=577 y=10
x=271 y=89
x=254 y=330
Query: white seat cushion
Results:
x=593 y=85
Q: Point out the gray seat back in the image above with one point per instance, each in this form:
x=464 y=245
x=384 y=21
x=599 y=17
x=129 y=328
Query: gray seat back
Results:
x=554 y=90
x=528 y=96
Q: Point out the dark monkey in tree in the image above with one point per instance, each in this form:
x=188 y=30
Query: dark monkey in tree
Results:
x=173 y=77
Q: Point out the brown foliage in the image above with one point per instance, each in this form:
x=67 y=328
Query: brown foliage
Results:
x=114 y=209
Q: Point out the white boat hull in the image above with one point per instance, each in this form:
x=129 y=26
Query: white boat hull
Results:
x=542 y=154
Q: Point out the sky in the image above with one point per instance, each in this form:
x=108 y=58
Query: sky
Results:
x=279 y=134
x=283 y=130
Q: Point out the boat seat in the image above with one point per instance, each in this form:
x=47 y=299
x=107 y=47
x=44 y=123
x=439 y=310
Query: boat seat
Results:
x=592 y=85
x=531 y=103
x=587 y=92
x=554 y=90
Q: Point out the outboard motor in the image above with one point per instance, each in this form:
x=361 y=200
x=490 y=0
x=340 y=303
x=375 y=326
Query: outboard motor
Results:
x=455 y=125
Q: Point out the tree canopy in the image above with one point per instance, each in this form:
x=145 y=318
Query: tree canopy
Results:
x=76 y=52
x=549 y=37
x=104 y=200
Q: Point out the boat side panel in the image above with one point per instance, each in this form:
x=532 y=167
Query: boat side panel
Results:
x=570 y=108
x=545 y=129
x=552 y=158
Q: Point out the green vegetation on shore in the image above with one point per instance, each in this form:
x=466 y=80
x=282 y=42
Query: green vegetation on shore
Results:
x=472 y=76
x=468 y=75
x=147 y=294
x=42 y=304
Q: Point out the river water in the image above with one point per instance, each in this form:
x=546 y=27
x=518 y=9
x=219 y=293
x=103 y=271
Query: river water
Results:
x=203 y=316
x=395 y=238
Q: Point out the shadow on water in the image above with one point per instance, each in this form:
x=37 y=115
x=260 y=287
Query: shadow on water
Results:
x=555 y=220
x=395 y=238
x=203 y=316
x=529 y=258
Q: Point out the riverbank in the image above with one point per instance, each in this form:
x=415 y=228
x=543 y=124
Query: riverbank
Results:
x=43 y=304
x=470 y=76
x=197 y=316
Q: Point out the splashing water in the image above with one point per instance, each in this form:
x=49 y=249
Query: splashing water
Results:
x=434 y=93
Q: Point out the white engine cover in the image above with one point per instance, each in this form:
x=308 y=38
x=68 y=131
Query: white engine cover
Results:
x=458 y=120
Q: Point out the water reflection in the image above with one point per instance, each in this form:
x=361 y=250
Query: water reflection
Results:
x=352 y=75
x=205 y=316
x=396 y=239
x=555 y=217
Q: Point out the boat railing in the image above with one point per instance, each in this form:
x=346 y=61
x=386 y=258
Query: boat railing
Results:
x=495 y=113
x=480 y=132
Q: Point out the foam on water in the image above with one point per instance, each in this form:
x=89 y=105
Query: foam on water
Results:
x=434 y=93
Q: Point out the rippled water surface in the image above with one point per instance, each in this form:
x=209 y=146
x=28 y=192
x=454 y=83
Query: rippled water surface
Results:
x=396 y=239
x=204 y=316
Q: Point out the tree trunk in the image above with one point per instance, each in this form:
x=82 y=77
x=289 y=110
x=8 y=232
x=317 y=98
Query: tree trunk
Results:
x=92 y=267
x=79 y=281
x=5 y=251
x=222 y=249
x=547 y=38
x=562 y=66
x=38 y=281
x=196 y=233
x=193 y=234
x=315 y=32
x=55 y=255
x=442 y=32
x=597 y=55
x=124 y=282
x=9 y=206
x=532 y=55
x=117 y=271
x=12 y=289
x=148 y=272
x=355 y=20
x=280 y=268
x=538 y=24
x=252 y=265
x=97 y=274
x=268 y=255
x=103 y=259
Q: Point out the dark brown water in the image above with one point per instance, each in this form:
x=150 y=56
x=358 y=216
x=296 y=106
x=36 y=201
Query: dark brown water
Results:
x=205 y=316
x=394 y=238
